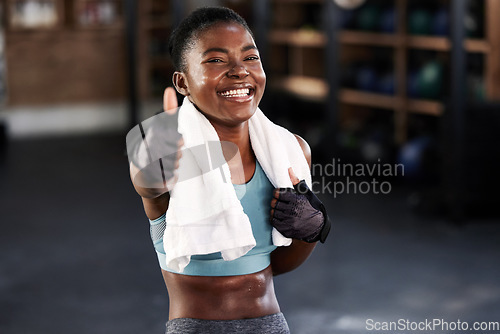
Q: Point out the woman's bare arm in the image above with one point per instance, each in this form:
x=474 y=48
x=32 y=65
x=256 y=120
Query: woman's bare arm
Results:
x=155 y=207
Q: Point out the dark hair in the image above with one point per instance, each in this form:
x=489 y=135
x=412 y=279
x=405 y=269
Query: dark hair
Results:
x=183 y=37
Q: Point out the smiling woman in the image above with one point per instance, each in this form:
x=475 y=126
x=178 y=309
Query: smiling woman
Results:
x=223 y=75
x=219 y=244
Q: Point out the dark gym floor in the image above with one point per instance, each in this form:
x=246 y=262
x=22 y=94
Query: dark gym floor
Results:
x=75 y=254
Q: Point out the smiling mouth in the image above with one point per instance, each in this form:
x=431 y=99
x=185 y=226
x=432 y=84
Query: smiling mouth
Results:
x=242 y=92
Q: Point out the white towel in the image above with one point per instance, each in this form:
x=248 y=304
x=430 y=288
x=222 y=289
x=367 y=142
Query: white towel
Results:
x=204 y=214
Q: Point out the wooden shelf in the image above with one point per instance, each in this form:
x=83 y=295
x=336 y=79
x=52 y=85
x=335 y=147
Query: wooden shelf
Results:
x=428 y=43
x=477 y=45
x=366 y=99
x=444 y=44
x=368 y=38
x=411 y=41
x=299 y=38
x=308 y=88
x=428 y=107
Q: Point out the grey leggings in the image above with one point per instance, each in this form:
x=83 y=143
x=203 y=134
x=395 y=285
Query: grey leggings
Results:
x=269 y=324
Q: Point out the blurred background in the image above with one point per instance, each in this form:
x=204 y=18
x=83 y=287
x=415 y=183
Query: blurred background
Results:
x=367 y=83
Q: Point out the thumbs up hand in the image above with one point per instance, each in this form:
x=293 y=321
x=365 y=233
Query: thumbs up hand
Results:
x=170 y=101
x=153 y=149
x=297 y=213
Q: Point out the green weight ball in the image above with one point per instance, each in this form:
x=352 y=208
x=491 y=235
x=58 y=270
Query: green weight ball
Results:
x=430 y=80
x=420 y=22
x=368 y=18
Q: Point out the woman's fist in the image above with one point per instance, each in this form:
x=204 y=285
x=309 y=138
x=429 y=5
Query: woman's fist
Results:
x=297 y=213
x=153 y=149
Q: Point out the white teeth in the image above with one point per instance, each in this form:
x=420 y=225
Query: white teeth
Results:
x=236 y=92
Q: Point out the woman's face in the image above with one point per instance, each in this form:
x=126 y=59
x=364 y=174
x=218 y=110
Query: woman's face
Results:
x=224 y=76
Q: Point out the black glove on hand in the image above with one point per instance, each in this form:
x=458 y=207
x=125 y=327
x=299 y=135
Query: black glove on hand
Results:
x=299 y=214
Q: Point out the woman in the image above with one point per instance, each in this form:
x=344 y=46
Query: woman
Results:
x=218 y=70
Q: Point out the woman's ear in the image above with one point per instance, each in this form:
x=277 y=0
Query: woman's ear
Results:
x=179 y=81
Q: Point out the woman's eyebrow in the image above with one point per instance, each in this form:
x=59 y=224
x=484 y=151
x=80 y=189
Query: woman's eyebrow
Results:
x=249 y=47
x=243 y=49
x=215 y=50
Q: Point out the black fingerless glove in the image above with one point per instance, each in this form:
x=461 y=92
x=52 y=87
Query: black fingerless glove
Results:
x=299 y=214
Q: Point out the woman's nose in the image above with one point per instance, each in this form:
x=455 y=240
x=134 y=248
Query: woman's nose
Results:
x=238 y=71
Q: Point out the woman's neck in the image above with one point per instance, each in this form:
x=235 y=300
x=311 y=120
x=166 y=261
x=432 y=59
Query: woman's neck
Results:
x=240 y=137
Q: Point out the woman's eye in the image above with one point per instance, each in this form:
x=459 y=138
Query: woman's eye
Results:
x=215 y=60
x=252 y=58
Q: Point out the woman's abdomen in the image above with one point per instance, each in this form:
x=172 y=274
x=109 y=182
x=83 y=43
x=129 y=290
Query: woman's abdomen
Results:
x=221 y=297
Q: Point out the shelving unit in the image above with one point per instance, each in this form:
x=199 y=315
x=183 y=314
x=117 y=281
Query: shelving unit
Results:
x=402 y=43
x=298 y=39
x=155 y=23
x=294 y=41
x=69 y=60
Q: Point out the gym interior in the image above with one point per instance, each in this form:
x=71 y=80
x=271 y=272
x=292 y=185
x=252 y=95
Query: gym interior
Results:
x=398 y=99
